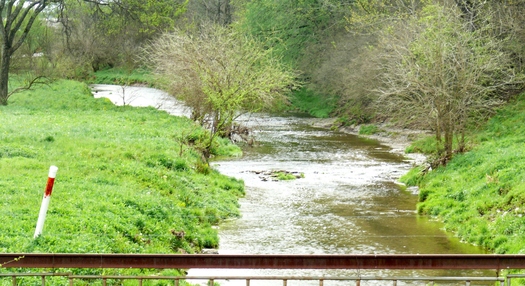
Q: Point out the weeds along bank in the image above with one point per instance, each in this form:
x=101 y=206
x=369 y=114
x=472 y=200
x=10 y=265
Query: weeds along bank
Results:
x=480 y=195
x=130 y=180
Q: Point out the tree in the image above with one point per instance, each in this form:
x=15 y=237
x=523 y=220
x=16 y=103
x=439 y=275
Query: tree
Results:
x=17 y=19
x=111 y=18
x=442 y=71
x=109 y=35
x=219 y=73
x=215 y=11
x=291 y=27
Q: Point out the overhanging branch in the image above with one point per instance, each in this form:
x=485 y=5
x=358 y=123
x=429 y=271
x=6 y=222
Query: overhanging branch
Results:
x=34 y=81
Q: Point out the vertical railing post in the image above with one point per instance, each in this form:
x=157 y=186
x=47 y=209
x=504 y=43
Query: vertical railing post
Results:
x=321 y=282
x=14 y=280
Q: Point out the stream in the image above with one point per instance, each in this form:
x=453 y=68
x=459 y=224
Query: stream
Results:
x=348 y=201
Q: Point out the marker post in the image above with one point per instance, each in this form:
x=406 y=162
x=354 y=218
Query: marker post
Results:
x=45 y=201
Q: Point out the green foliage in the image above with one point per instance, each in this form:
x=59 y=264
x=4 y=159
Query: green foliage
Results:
x=413 y=178
x=289 y=26
x=445 y=72
x=122 y=185
x=357 y=108
x=121 y=77
x=151 y=16
x=220 y=74
x=480 y=194
x=285 y=176
x=307 y=100
x=426 y=145
x=368 y=129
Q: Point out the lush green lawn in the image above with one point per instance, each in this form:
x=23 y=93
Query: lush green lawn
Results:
x=480 y=195
x=129 y=180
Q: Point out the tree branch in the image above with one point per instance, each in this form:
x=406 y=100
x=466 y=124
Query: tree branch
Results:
x=29 y=86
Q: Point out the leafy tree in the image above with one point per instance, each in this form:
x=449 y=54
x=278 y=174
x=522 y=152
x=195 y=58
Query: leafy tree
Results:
x=290 y=27
x=441 y=71
x=101 y=22
x=17 y=19
x=109 y=35
x=221 y=74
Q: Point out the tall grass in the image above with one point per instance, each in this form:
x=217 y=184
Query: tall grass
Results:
x=129 y=179
x=480 y=195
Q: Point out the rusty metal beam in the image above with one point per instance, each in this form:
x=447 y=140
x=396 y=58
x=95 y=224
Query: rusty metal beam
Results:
x=161 y=261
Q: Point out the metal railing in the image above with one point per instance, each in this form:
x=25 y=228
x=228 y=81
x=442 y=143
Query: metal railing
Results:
x=510 y=277
x=186 y=261
x=70 y=279
x=272 y=261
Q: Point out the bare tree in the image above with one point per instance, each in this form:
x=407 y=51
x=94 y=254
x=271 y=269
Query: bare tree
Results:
x=439 y=69
x=216 y=11
x=220 y=74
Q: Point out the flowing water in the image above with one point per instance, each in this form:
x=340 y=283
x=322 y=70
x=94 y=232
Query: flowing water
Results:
x=348 y=201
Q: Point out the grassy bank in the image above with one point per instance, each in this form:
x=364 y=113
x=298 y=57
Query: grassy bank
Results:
x=130 y=180
x=122 y=77
x=480 y=195
x=307 y=100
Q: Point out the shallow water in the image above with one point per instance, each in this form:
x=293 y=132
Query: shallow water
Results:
x=347 y=203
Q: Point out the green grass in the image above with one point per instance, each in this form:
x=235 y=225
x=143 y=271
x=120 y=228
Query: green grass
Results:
x=369 y=129
x=129 y=179
x=315 y=104
x=122 y=77
x=426 y=145
x=480 y=195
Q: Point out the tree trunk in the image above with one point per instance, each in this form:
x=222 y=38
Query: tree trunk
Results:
x=227 y=13
x=438 y=131
x=449 y=137
x=4 y=74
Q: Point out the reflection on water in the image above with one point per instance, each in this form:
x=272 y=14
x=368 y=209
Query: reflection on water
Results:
x=347 y=202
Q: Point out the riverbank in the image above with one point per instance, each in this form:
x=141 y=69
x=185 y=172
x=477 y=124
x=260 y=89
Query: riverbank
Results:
x=130 y=180
x=480 y=194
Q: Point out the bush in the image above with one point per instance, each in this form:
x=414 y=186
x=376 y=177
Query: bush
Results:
x=368 y=129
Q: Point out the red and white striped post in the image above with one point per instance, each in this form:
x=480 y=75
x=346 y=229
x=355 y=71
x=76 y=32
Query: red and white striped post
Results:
x=45 y=201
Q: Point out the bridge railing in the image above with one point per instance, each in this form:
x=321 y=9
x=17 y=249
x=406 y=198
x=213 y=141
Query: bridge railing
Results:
x=188 y=261
x=70 y=279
